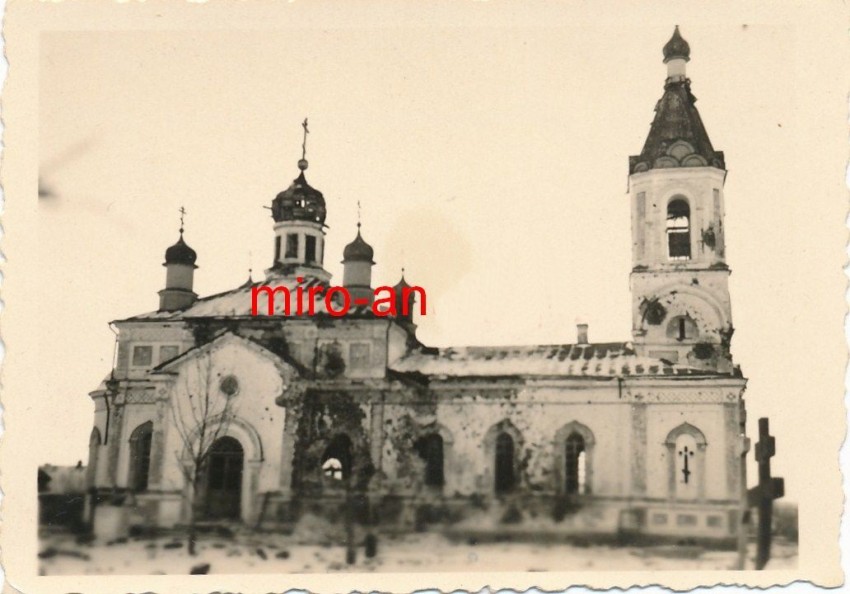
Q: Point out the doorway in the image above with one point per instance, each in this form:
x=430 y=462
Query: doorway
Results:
x=224 y=480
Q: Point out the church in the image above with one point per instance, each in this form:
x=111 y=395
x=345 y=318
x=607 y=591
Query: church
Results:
x=260 y=419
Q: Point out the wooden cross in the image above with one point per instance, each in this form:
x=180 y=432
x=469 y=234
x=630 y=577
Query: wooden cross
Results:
x=768 y=489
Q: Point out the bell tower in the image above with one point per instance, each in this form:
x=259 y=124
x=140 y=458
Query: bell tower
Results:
x=681 y=309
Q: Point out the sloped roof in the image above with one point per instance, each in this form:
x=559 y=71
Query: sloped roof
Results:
x=237 y=303
x=676 y=121
x=602 y=360
x=226 y=336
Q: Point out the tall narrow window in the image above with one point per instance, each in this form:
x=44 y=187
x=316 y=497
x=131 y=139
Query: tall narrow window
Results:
x=291 y=245
x=575 y=460
x=310 y=248
x=277 y=249
x=505 y=471
x=140 y=456
x=430 y=449
x=679 y=230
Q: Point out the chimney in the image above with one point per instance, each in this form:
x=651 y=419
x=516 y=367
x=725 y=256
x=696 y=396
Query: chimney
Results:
x=581 y=332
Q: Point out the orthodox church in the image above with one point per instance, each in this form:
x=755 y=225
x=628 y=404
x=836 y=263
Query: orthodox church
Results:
x=302 y=414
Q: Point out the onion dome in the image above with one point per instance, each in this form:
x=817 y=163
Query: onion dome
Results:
x=358 y=250
x=402 y=284
x=180 y=253
x=300 y=201
x=677 y=47
x=404 y=307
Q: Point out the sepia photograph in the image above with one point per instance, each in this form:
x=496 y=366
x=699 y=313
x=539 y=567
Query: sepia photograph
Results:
x=433 y=294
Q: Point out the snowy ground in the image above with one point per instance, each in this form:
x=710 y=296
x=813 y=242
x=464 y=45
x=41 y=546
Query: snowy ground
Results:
x=277 y=553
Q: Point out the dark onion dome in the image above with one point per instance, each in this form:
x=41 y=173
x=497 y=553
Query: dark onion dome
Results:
x=358 y=251
x=180 y=253
x=677 y=47
x=300 y=201
x=402 y=284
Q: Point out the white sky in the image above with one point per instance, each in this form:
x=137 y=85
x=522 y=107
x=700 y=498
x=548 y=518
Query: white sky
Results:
x=490 y=161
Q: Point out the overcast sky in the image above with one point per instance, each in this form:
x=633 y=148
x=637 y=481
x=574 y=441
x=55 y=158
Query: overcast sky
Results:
x=491 y=162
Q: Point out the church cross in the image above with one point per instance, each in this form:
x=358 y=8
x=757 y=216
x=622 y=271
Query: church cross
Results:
x=686 y=471
x=304 y=144
x=768 y=489
x=182 y=214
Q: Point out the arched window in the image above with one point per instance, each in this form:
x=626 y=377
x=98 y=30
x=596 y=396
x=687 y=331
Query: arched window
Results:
x=140 y=456
x=336 y=461
x=430 y=449
x=575 y=459
x=682 y=328
x=505 y=471
x=679 y=230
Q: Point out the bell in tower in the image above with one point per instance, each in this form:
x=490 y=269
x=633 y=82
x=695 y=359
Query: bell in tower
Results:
x=681 y=309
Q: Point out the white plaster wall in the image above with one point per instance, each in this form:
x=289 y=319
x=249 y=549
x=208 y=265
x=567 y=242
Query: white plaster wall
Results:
x=538 y=414
x=261 y=380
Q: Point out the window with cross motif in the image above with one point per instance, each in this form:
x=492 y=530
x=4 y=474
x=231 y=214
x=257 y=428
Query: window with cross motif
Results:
x=685 y=464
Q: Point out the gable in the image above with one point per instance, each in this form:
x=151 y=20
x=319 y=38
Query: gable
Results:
x=228 y=350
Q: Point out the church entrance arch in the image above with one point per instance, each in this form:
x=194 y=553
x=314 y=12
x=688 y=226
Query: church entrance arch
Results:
x=225 y=466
